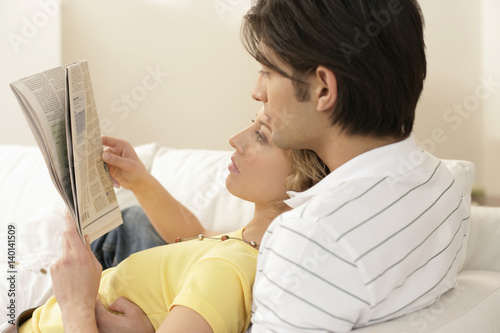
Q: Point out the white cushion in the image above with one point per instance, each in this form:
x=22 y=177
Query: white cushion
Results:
x=472 y=306
x=463 y=172
x=25 y=184
x=38 y=246
x=197 y=178
x=483 y=248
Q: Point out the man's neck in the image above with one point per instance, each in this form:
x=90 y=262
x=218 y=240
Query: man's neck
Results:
x=339 y=148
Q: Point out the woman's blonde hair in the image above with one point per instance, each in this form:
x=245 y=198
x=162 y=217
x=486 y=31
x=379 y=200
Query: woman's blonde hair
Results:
x=307 y=169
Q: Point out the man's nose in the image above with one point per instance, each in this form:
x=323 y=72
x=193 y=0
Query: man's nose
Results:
x=259 y=91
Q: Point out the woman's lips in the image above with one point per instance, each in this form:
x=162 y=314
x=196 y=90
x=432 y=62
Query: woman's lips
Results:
x=232 y=167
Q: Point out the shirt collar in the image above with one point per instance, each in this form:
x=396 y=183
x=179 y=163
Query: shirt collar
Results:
x=392 y=159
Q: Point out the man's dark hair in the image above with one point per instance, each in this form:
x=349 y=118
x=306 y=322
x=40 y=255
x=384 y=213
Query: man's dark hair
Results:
x=375 y=48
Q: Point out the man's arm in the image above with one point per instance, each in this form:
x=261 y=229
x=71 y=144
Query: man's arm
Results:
x=75 y=278
x=132 y=319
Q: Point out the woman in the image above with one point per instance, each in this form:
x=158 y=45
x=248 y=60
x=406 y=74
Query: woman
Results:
x=201 y=286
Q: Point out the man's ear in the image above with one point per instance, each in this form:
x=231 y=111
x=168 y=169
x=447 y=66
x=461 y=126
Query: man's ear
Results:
x=326 y=89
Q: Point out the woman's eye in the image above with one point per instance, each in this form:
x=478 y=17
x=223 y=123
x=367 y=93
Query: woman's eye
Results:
x=261 y=137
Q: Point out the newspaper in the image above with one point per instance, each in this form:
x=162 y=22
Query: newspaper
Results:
x=60 y=109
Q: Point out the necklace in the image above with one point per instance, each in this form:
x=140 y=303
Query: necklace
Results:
x=221 y=238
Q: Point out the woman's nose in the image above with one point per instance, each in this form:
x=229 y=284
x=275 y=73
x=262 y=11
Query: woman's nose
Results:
x=236 y=142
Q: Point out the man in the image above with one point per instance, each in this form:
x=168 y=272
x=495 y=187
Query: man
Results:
x=382 y=234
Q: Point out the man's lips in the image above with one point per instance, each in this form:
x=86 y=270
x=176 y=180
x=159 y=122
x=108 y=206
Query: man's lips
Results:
x=232 y=167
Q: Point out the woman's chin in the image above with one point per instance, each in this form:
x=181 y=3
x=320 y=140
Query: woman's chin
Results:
x=234 y=189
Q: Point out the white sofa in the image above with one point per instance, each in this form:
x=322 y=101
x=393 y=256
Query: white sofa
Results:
x=197 y=178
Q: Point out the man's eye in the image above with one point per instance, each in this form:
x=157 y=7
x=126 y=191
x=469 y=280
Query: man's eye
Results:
x=264 y=73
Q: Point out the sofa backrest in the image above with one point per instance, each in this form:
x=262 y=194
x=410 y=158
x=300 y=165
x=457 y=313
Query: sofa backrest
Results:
x=197 y=179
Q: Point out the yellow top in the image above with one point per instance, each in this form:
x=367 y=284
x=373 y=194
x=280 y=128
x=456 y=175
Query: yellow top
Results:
x=212 y=277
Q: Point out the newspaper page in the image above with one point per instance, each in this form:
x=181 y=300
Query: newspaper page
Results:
x=97 y=206
x=70 y=141
x=43 y=102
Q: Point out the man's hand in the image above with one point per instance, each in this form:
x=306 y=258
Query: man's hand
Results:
x=132 y=318
x=75 y=278
x=125 y=167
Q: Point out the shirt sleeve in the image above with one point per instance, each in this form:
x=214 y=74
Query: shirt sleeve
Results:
x=306 y=282
x=220 y=292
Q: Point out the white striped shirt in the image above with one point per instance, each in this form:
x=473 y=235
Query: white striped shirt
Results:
x=379 y=237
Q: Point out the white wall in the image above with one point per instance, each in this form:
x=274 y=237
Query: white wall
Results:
x=490 y=164
x=202 y=95
x=205 y=97
x=457 y=116
x=454 y=54
x=30 y=43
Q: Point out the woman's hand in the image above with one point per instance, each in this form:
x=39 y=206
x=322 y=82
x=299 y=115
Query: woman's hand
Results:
x=75 y=279
x=124 y=165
